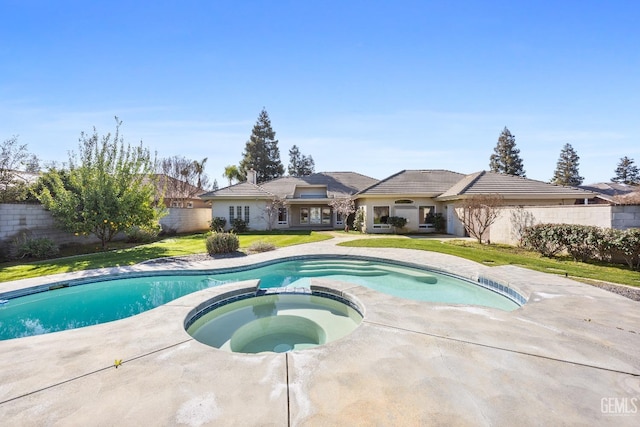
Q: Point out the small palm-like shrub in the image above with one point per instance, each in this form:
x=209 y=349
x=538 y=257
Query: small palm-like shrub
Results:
x=222 y=243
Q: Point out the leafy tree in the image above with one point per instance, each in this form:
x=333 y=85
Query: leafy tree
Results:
x=566 y=172
x=108 y=189
x=345 y=206
x=478 y=213
x=232 y=173
x=506 y=158
x=299 y=164
x=261 y=151
x=627 y=172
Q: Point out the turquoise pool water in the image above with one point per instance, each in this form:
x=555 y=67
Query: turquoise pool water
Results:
x=106 y=300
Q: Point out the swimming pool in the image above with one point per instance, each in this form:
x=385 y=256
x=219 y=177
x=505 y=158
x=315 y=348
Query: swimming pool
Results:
x=107 y=298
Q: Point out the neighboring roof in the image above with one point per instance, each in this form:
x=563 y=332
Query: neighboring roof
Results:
x=243 y=189
x=424 y=182
x=611 y=188
x=176 y=188
x=510 y=186
x=338 y=184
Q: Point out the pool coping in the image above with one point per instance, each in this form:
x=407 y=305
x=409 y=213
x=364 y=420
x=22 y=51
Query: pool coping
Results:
x=562 y=357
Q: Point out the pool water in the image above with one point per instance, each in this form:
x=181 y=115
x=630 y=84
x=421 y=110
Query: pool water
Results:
x=277 y=323
x=106 y=300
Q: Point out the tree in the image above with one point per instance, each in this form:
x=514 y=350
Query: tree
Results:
x=108 y=188
x=180 y=178
x=299 y=164
x=344 y=206
x=627 y=172
x=12 y=158
x=203 y=179
x=232 y=173
x=566 y=172
x=261 y=151
x=272 y=209
x=506 y=158
x=477 y=213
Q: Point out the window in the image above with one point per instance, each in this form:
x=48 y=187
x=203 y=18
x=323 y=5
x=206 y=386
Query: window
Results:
x=282 y=216
x=176 y=204
x=380 y=214
x=190 y=205
x=338 y=218
x=326 y=215
x=315 y=214
x=231 y=216
x=425 y=216
x=246 y=214
x=304 y=215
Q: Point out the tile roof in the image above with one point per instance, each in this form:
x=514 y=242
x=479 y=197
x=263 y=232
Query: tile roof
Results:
x=509 y=185
x=414 y=182
x=339 y=184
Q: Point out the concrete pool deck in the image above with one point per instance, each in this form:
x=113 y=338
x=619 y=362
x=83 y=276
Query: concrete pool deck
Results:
x=569 y=356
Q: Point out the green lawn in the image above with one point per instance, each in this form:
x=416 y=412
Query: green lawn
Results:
x=174 y=246
x=494 y=255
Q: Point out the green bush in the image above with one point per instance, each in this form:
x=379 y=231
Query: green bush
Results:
x=41 y=248
x=239 y=226
x=543 y=238
x=626 y=243
x=222 y=243
x=217 y=224
x=438 y=221
x=261 y=246
x=397 y=222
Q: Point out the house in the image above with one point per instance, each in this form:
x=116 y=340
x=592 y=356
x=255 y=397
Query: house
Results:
x=420 y=196
x=303 y=202
x=179 y=193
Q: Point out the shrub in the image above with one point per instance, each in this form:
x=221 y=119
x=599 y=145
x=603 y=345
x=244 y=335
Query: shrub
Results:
x=42 y=248
x=222 y=243
x=239 y=226
x=397 y=222
x=143 y=234
x=626 y=243
x=261 y=246
x=543 y=238
x=438 y=221
x=358 y=220
x=217 y=224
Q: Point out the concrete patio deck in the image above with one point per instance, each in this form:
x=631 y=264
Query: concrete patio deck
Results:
x=570 y=356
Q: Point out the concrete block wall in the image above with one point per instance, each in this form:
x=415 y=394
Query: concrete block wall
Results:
x=624 y=217
x=502 y=231
x=186 y=220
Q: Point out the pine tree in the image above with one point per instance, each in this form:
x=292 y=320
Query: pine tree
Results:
x=299 y=164
x=261 y=151
x=566 y=172
x=506 y=158
x=627 y=172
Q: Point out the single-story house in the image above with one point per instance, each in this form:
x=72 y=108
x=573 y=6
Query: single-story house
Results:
x=417 y=195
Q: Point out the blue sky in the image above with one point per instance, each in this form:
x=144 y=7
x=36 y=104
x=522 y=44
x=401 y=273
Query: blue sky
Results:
x=369 y=86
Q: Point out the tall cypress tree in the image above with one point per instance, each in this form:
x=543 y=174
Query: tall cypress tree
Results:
x=627 y=172
x=566 y=172
x=261 y=151
x=506 y=158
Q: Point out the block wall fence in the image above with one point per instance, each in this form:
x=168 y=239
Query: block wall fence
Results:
x=34 y=221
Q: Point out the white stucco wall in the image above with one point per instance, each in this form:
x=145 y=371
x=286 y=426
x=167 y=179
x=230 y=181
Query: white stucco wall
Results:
x=183 y=220
x=408 y=211
x=257 y=219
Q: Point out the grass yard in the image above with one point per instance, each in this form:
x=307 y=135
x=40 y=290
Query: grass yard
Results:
x=496 y=254
x=123 y=255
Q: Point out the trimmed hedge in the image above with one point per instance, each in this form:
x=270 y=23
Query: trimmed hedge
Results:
x=585 y=242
